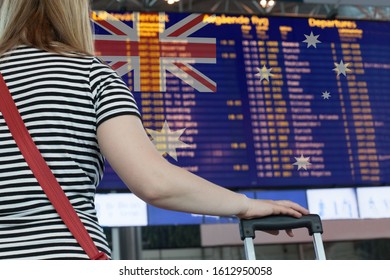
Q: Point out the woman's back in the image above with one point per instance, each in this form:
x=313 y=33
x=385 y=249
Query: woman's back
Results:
x=62 y=100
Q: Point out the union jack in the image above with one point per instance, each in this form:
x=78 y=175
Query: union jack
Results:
x=150 y=51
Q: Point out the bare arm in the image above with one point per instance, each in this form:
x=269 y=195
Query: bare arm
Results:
x=127 y=147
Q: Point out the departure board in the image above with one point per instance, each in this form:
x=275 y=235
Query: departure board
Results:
x=248 y=101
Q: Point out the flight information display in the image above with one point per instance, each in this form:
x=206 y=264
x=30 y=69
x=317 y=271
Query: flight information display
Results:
x=248 y=101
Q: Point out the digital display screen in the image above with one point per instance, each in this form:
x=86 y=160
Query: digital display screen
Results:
x=374 y=202
x=120 y=210
x=250 y=101
x=335 y=203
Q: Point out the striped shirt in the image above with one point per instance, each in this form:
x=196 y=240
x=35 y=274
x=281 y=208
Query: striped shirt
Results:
x=62 y=101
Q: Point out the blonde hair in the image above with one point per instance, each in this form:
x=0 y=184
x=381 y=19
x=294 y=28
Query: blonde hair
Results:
x=60 y=26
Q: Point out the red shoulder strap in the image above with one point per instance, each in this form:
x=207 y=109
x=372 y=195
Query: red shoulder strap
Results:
x=43 y=173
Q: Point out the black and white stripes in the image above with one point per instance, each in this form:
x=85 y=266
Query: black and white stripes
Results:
x=62 y=100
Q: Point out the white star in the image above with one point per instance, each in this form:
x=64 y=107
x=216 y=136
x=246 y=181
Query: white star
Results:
x=167 y=141
x=326 y=95
x=302 y=162
x=311 y=40
x=264 y=73
x=341 y=68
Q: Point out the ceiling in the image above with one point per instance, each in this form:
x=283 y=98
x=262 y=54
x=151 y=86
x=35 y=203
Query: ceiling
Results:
x=356 y=9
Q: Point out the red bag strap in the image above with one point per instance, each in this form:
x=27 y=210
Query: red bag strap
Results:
x=44 y=175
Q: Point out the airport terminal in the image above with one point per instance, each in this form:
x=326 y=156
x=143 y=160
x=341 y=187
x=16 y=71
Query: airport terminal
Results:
x=274 y=99
x=195 y=129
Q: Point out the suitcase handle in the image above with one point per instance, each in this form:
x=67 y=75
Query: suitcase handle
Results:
x=312 y=222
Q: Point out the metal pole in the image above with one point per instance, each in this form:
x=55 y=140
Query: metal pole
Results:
x=249 y=248
x=131 y=243
x=319 y=246
x=115 y=239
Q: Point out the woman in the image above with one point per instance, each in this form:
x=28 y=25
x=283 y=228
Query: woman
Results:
x=77 y=109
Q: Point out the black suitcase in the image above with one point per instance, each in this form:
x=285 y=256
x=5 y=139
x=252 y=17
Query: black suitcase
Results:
x=312 y=222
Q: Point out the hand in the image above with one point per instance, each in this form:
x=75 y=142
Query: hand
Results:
x=260 y=208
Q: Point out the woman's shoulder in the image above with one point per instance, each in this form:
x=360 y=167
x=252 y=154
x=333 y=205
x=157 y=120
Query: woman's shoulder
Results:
x=31 y=51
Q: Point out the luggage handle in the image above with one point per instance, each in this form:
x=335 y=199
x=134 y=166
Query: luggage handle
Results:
x=280 y=222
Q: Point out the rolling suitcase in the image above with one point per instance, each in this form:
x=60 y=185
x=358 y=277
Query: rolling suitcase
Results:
x=312 y=222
